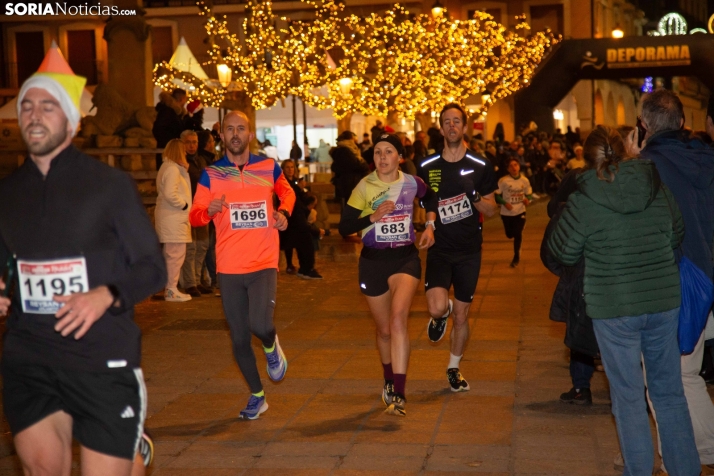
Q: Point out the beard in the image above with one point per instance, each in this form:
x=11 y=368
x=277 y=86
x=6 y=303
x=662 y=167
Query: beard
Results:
x=236 y=149
x=46 y=145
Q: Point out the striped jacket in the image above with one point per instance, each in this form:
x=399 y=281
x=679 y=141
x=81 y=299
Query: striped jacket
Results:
x=246 y=239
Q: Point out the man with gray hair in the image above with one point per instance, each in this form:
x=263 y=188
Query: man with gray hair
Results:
x=196 y=250
x=686 y=166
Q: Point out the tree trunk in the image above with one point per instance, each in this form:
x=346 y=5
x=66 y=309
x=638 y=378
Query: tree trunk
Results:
x=344 y=123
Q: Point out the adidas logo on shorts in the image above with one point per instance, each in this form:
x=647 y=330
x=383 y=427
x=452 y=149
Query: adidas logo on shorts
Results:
x=128 y=412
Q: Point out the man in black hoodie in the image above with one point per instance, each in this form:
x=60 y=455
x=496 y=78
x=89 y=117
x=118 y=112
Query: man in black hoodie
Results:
x=79 y=251
x=686 y=167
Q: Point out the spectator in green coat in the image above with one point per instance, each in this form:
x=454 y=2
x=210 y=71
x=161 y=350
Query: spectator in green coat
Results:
x=625 y=223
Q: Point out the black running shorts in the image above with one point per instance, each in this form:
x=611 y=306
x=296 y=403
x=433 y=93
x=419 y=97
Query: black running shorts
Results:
x=108 y=409
x=513 y=225
x=445 y=269
x=374 y=274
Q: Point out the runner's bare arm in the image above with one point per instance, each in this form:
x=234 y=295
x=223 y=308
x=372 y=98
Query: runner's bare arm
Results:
x=487 y=205
x=4 y=302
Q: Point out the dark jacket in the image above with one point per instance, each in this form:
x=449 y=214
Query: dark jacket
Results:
x=686 y=166
x=196 y=165
x=348 y=170
x=169 y=123
x=568 y=303
x=626 y=230
x=295 y=153
x=81 y=208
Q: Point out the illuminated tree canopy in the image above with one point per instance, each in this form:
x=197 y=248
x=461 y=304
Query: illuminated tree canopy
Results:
x=391 y=62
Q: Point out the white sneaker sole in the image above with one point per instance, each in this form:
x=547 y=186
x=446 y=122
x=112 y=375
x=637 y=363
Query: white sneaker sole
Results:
x=263 y=409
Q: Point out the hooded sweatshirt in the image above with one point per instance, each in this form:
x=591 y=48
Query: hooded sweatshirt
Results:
x=687 y=168
x=626 y=230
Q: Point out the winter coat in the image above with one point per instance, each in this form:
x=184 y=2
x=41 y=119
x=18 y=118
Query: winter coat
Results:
x=626 y=230
x=568 y=303
x=196 y=165
x=173 y=203
x=348 y=170
x=686 y=166
x=322 y=153
x=169 y=123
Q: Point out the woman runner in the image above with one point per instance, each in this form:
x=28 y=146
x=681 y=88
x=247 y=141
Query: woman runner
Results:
x=381 y=206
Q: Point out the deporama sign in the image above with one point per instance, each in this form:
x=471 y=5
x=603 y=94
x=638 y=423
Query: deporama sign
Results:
x=640 y=57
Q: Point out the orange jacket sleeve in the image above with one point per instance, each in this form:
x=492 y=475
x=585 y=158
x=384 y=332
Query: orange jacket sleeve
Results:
x=284 y=192
x=198 y=216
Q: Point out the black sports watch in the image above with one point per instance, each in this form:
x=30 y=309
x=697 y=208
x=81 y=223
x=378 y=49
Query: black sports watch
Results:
x=284 y=212
x=477 y=197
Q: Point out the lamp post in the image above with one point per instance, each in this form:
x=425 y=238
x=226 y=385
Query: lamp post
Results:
x=437 y=9
x=224 y=74
x=617 y=32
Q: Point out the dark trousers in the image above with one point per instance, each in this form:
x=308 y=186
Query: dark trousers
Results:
x=249 y=303
x=582 y=367
x=301 y=241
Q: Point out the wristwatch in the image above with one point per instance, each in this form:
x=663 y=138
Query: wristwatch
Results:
x=284 y=212
x=477 y=197
x=430 y=222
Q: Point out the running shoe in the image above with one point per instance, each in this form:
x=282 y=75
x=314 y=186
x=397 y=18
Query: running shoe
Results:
x=312 y=274
x=174 y=295
x=256 y=406
x=388 y=392
x=146 y=448
x=277 y=363
x=457 y=382
x=397 y=406
x=291 y=270
x=437 y=326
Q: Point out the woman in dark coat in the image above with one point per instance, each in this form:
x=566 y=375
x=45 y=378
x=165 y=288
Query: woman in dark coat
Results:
x=568 y=304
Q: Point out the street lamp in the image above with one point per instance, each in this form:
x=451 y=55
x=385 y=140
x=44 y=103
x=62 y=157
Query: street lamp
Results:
x=485 y=96
x=224 y=74
x=617 y=32
x=345 y=85
x=437 y=9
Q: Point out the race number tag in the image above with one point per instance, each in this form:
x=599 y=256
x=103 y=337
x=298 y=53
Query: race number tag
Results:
x=455 y=209
x=246 y=216
x=41 y=280
x=516 y=198
x=392 y=229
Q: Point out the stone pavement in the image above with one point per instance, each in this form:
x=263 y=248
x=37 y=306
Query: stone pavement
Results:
x=326 y=416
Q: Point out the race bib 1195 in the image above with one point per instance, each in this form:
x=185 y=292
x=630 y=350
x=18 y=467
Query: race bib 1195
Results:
x=40 y=281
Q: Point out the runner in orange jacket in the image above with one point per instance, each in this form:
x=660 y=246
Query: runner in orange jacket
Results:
x=236 y=192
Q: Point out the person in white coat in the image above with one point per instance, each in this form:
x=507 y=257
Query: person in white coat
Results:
x=171 y=214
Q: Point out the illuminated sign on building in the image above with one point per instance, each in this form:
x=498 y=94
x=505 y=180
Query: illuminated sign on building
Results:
x=676 y=55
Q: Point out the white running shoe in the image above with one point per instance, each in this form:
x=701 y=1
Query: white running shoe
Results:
x=174 y=295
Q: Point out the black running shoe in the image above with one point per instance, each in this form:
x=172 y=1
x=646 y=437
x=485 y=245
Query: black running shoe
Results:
x=146 y=448
x=397 y=406
x=457 y=382
x=515 y=262
x=312 y=274
x=388 y=392
x=577 y=397
x=437 y=326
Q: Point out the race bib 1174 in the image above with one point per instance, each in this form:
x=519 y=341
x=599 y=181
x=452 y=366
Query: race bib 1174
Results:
x=455 y=209
x=40 y=281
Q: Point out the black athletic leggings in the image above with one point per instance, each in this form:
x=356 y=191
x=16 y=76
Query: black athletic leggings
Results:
x=249 y=303
x=514 y=229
